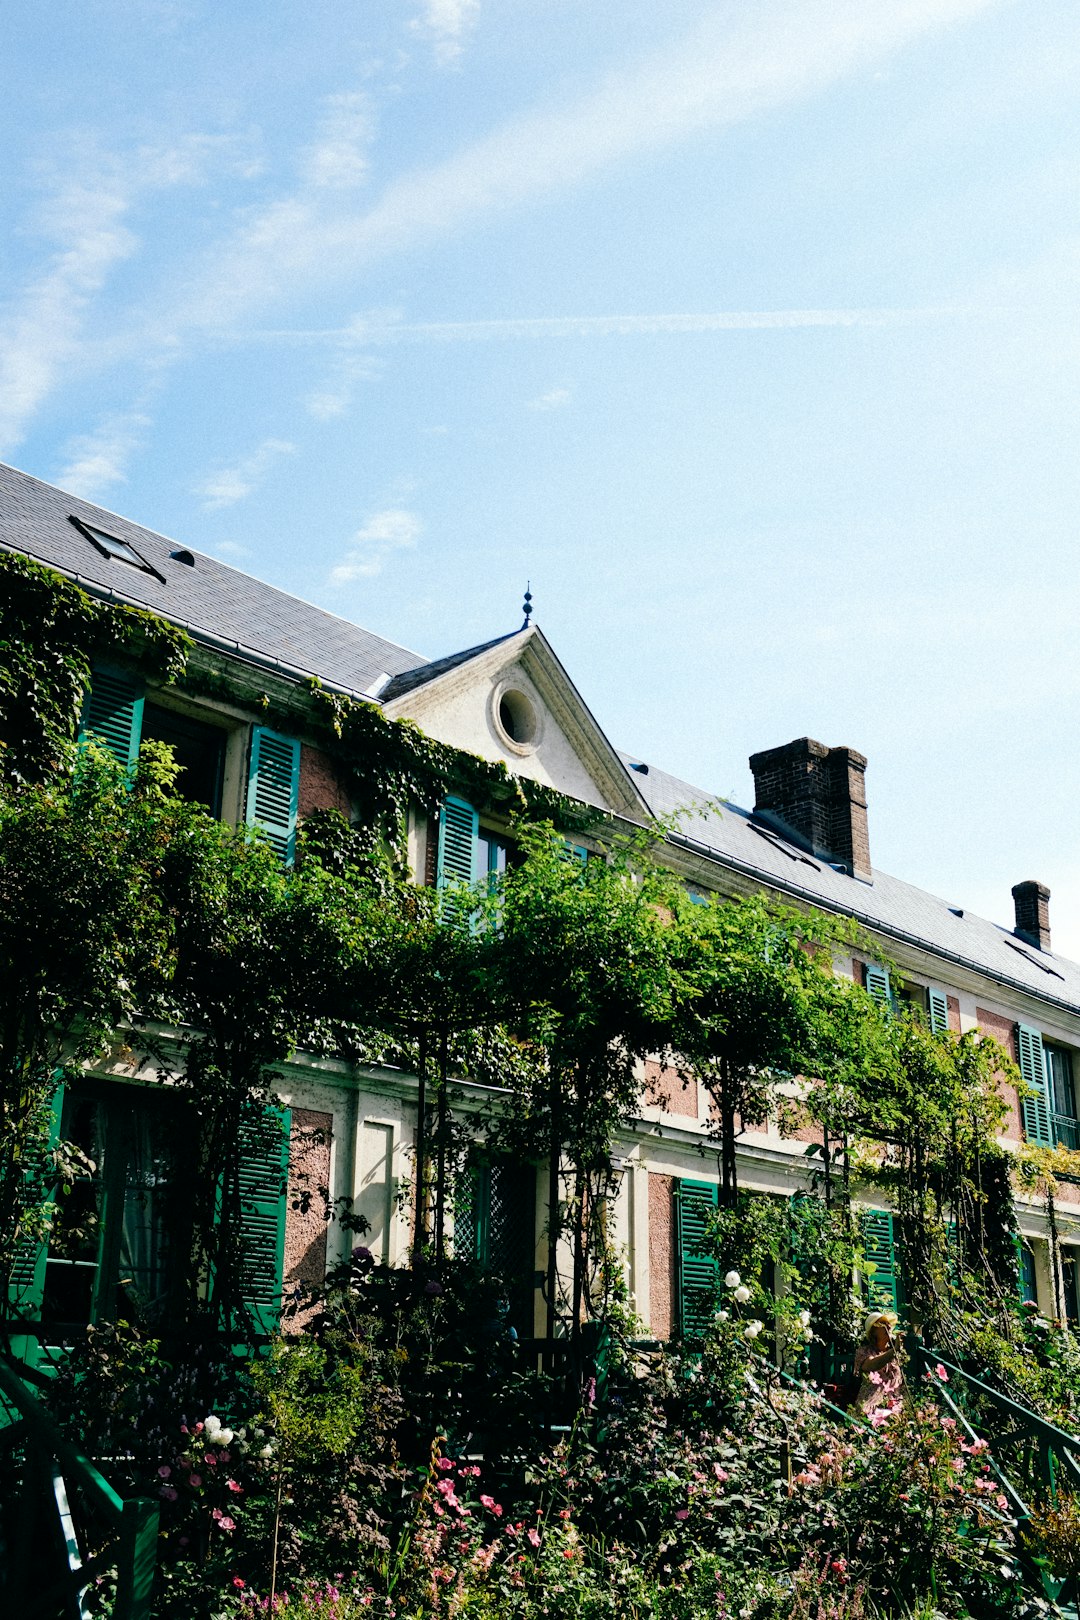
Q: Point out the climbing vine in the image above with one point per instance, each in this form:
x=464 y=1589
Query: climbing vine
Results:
x=50 y=633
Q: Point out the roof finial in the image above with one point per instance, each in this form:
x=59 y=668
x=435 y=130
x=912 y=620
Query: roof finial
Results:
x=527 y=605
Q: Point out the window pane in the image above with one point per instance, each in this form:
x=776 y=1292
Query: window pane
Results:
x=199 y=750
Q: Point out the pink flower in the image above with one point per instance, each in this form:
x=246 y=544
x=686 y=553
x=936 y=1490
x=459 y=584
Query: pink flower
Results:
x=224 y=1456
x=223 y=1520
x=492 y=1506
x=194 y=1480
x=533 y=1536
x=444 y=1465
x=233 y=1486
x=238 y=1581
x=941 y=1373
x=164 y=1471
x=873 y=1378
x=568 y=1552
x=1002 y=1503
x=169 y=1492
x=682 y=1513
x=210 y=1459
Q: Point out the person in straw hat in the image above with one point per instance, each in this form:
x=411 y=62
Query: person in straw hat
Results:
x=877 y=1363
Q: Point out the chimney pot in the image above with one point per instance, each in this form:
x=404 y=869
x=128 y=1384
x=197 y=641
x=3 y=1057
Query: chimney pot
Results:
x=819 y=794
x=1032 y=903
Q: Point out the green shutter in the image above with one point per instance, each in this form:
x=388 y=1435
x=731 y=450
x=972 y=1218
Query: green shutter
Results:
x=1034 y=1110
x=459 y=849
x=1025 y=1271
x=472 y=1214
x=697 y=1269
x=575 y=852
x=274 y=789
x=879 y=1254
x=459 y=833
x=264 y=1173
x=937 y=1003
x=113 y=712
x=26 y=1283
x=877 y=984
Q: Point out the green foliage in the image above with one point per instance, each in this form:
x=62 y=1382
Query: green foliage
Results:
x=50 y=631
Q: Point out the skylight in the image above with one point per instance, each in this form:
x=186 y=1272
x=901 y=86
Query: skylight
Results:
x=110 y=545
x=1034 y=960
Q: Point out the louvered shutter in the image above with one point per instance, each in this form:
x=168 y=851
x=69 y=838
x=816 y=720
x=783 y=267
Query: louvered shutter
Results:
x=1034 y=1110
x=113 y=712
x=877 y=984
x=264 y=1171
x=938 y=1009
x=26 y=1285
x=697 y=1268
x=575 y=852
x=459 y=840
x=879 y=1254
x=274 y=789
x=1025 y=1270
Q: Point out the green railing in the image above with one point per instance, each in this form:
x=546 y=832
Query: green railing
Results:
x=62 y=1526
x=1036 y=1454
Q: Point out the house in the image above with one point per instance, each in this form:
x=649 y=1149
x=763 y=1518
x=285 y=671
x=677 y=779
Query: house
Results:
x=237 y=723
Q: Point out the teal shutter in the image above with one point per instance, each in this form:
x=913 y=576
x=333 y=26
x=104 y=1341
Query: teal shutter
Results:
x=113 y=712
x=472 y=1215
x=937 y=1003
x=1025 y=1269
x=1034 y=1110
x=264 y=1174
x=459 y=852
x=26 y=1282
x=575 y=852
x=697 y=1269
x=459 y=835
x=879 y=1254
x=274 y=789
x=877 y=984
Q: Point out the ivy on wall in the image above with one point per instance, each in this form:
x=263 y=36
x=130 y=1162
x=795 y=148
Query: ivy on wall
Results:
x=51 y=632
x=392 y=766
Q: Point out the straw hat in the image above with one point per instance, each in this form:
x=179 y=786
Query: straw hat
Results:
x=889 y=1318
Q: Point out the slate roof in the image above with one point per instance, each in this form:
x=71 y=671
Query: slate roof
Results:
x=731 y=836
x=220 y=602
x=441 y=666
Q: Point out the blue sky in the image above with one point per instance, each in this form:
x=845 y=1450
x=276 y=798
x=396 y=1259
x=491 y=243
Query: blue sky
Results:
x=747 y=331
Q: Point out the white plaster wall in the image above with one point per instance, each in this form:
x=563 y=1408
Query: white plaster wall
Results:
x=461 y=716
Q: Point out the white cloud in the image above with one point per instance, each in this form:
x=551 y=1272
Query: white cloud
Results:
x=552 y=400
x=735 y=65
x=98 y=460
x=82 y=219
x=446 y=23
x=339 y=158
x=394 y=529
x=40 y=328
x=228 y=485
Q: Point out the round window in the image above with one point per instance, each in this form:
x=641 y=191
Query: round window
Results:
x=516 y=719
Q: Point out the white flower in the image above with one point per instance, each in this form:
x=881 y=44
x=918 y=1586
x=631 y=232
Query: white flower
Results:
x=224 y=1437
x=211 y=1427
x=732 y=1280
x=266 y=1453
x=721 y=1316
x=804 y=1318
x=752 y=1329
x=742 y=1293
x=808 y=1334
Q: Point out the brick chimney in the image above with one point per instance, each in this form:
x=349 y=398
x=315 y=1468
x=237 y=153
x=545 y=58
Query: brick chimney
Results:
x=1032 y=903
x=819 y=794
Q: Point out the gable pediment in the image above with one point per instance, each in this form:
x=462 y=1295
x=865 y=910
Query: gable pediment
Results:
x=513 y=701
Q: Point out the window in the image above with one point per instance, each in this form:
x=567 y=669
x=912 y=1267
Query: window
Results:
x=495 y=1226
x=110 y=545
x=118 y=715
x=198 y=748
x=115 y=1233
x=1062 y=1097
x=495 y=854
x=1029 y=1289
x=1049 y=1110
